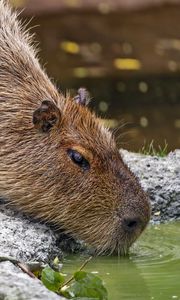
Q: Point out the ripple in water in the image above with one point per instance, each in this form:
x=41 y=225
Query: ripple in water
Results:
x=151 y=272
x=159 y=244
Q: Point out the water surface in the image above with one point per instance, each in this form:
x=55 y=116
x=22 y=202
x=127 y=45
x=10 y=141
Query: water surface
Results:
x=152 y=270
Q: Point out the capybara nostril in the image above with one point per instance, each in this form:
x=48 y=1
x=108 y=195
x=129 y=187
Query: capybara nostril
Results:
x=131 y=224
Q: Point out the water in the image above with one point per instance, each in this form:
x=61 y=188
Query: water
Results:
x=152 y=271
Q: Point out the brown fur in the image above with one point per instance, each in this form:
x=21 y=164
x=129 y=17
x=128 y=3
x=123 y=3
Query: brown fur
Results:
x=38 y=176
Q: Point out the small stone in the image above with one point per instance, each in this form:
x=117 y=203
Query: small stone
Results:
x=157 y=213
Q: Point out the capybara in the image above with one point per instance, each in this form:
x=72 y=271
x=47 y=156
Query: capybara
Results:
x=58 y=162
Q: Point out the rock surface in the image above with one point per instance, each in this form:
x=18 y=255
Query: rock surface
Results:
x=16 y=285
x=29 y=240
x=160 y=177
x=26 y=240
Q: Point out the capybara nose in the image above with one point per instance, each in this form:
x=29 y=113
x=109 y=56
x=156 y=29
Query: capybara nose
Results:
x=131 y=224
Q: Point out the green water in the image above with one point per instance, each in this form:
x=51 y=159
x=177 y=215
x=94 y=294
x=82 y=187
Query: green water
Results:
x=152 y=270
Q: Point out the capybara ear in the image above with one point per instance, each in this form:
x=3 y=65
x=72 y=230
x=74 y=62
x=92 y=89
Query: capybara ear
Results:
x=82 y=97
x=46 y=116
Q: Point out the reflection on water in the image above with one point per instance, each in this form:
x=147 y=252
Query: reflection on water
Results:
x=152 y=270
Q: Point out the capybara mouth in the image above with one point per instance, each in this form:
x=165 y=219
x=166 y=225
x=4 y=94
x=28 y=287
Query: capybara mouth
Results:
x=127 y=231
x=122 y=249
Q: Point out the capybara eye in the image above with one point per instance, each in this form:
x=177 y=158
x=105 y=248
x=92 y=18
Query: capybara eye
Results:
x=78 y=159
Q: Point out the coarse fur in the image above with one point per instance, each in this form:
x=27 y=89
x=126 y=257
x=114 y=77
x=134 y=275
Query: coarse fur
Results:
x=105 y=205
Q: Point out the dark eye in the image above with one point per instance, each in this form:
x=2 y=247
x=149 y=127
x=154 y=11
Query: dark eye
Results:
x=78 y=159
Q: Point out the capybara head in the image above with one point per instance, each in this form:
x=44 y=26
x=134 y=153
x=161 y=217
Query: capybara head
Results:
x=96 y=197
x=57 y=160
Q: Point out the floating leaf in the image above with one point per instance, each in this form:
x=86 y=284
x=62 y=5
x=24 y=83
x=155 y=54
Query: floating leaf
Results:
x=51 y=279
x=86 y=286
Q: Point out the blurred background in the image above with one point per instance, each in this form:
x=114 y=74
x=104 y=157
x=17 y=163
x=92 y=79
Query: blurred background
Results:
x=125 y=52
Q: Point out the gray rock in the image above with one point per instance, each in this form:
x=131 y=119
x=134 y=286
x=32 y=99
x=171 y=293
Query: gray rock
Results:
x=16 y=285
x=160 y=177
x=26 y=240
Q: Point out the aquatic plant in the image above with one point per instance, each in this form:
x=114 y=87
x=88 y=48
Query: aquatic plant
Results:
x=150 y=149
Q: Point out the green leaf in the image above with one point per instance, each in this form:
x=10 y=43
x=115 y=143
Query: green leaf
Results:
x=51 y=279
x=86 y=286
